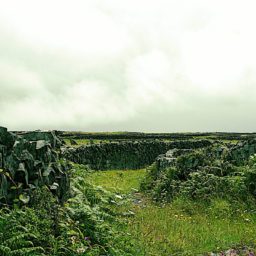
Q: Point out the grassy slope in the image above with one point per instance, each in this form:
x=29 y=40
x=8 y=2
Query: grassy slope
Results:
x=181 y=228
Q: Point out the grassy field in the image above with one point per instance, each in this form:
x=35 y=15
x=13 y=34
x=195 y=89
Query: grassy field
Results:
x=118 y=181
x=183 y=227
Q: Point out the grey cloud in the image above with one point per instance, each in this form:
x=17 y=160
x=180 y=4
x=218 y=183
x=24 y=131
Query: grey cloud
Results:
x=154 y=84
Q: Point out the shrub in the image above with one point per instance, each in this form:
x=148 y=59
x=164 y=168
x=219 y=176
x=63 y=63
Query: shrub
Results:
x=202 y=175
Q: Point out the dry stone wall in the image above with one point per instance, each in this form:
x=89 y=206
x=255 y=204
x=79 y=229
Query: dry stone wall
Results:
x=237 y=155
x=241 y=152
x=164 y=136
x=28 y=161
x=126 y=155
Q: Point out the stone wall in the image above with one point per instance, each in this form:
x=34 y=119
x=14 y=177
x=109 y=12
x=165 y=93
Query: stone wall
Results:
x=241 y=152
x=128 y=136
x=237 y=155
x=126 y=155
x=28 y=161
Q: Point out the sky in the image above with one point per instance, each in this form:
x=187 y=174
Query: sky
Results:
x=128 y=65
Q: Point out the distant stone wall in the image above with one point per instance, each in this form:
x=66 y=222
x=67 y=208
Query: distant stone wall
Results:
x=126 y=155
x=128 y=136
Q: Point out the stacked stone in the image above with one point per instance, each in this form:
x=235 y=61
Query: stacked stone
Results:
x=169 y=158
x=241 y=152
x=127 y=154
x=28 y=161
x=236 y=155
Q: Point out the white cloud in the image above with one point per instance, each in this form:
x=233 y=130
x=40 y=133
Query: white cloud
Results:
x=150 y=78
x=161 y=65
x=75 y=26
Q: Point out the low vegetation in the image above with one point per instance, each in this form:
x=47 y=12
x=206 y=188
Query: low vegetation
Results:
x=84 y=225
x=185 y=226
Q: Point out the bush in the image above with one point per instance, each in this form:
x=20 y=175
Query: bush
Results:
x=201 y=175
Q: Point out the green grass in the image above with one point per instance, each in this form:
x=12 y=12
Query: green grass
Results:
x=118 y=180
x=81 y=142
x=183 y=227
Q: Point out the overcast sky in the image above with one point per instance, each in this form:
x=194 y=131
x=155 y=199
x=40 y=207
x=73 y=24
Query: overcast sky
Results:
x=131 y=65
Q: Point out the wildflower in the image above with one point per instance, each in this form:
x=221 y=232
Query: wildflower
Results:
x=73 y=239
x=80 y=250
